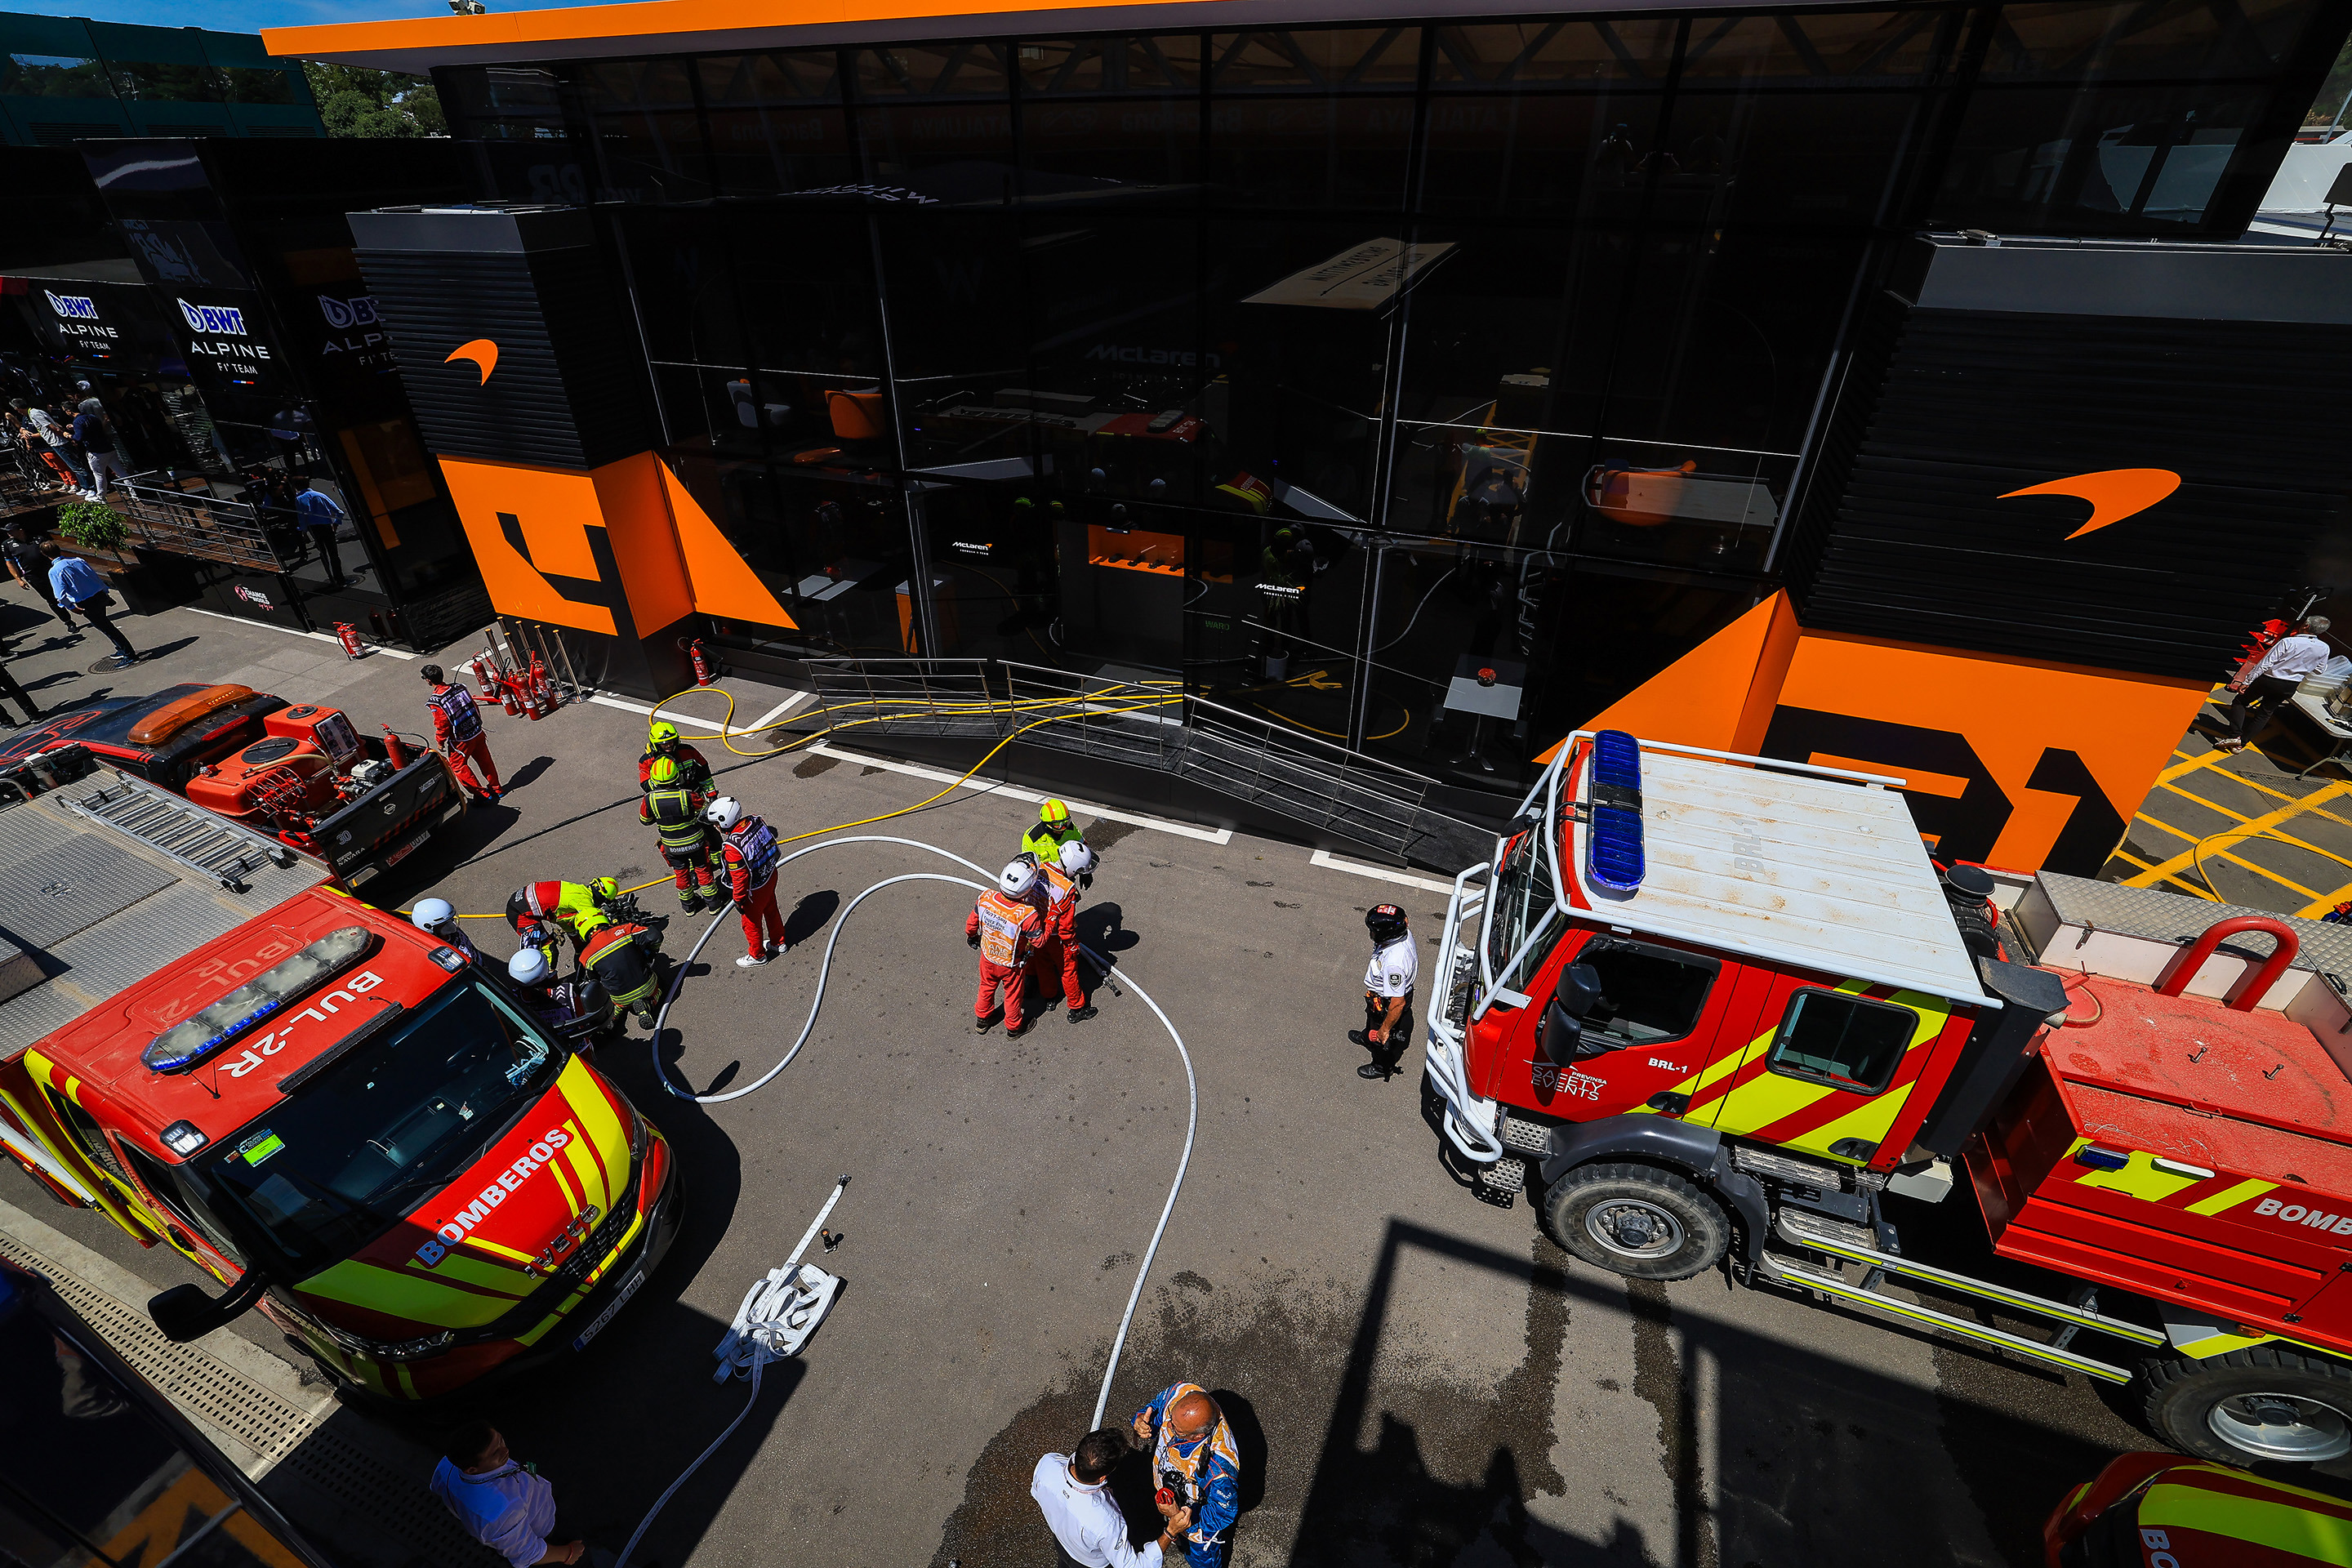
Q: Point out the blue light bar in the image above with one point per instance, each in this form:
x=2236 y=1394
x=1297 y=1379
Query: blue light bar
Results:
x=2100 y=1159
x=186 y=1044
x=1613 y=842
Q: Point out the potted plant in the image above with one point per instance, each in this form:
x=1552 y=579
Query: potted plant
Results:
x=96 y=530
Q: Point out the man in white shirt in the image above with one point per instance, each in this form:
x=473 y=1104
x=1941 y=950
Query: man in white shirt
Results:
x=1086 y=1524
x=505 y=1506
x=1387 y=992
x=2273 y=678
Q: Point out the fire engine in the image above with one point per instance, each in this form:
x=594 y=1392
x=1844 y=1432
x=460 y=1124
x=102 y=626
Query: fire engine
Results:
x=297 y=772
x=363 y=1135
x=1707 y=1008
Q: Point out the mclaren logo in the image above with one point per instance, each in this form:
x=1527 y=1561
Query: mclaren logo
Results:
x=2115 y=494
x=483 y=352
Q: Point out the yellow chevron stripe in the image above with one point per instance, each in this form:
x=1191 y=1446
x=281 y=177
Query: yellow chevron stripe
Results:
x=2279 y=1525
x=2230 y=1197
x=404 y=1295
x=406 y=1378
x=1770 y=1097
x=501 y=1250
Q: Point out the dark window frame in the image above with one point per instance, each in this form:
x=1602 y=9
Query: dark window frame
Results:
x=1851 y=1085
x=1603 y=943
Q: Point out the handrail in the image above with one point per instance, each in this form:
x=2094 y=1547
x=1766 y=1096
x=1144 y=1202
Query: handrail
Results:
x=2250 y=990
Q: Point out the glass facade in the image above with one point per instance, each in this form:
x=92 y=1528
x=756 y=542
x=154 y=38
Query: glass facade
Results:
x=1424 y=386
x=63 y=78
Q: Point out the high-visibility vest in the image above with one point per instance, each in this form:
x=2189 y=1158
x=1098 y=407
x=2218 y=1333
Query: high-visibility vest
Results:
x=752 y=845
x=613 y=956
x=1045 y=843
x=1008 y=928
x=1060 y=891
x=676 y=816
x=459 y=719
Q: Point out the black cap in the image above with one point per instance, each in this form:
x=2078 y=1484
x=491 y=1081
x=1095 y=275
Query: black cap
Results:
x=1384 y=919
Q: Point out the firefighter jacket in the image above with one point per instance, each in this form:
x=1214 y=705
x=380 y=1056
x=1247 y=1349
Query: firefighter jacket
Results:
x=1045 y=843
x=619 y=964
x=1210 y=1467
x=573 y=905
x=676 y=816
x=1008 y=928
x=693 y=769
x=748 y=855
x=456 y=720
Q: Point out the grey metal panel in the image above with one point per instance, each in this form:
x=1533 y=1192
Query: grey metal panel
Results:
x=70 y=887
x=2182 y=282
x=471 y=229
x=2133 y=912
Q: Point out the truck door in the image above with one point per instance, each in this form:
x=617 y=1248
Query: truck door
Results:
x=191 y=1226
x=1662 y=1007
x=1827 y=1068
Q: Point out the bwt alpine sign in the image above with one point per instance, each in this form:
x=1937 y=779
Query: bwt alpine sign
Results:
x=77 y=324
x=224 y=339
x=213 y=321
x=72 y=307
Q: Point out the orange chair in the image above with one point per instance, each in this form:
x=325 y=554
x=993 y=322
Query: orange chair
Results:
x=857 y=415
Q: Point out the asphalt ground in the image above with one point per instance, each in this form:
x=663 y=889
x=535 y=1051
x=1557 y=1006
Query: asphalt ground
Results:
x=1414 y=1377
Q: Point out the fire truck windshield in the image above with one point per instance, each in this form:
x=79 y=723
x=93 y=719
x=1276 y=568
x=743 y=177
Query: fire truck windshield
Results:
x=328 y=1170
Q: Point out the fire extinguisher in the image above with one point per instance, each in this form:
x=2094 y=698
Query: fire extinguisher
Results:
x=488 y=674
x=706 y=669
x=509 y=693
x=542 y=685
x=349 y=635
x=395 y=752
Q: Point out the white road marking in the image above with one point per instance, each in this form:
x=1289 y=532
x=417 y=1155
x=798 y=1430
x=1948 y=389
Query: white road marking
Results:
x=289 y=631
x=623 y=704
x=778 y=711
x=1330 y=862
x=1012 y=792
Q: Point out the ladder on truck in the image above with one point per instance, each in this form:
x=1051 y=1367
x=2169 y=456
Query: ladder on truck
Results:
x=206 y=843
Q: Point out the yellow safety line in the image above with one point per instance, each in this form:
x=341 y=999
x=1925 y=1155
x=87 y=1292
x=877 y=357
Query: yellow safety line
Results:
x=2213 y=758
x=2273 y=835
x=2187 y=858
x=2325 y=902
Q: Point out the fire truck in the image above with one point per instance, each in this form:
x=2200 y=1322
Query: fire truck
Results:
x=364 y=1136
x=1711 y=1009
x=301 y=773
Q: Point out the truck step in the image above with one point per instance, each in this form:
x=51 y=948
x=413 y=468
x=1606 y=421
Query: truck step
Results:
x=1856 y=1245
x=1804 y=1278
x=1526 y=1137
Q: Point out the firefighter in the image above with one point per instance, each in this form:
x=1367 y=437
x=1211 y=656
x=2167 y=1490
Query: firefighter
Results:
x=1006 y=928
x=674 y=811
x=747 y=853
x=618 y=962
x=1054 y=829
x=663 y=745
x=434 y=917
x=577 y=907
x=457 y=731
x=568 y=1007
x=1057 y=898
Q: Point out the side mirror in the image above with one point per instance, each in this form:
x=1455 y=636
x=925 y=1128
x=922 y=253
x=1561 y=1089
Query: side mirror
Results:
x=1562 y=1035
x=1578 y=989
x=184 y=1312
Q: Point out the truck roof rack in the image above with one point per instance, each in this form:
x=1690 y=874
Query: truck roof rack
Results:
x=202 y=840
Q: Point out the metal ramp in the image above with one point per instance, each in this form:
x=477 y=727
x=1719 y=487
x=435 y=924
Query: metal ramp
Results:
x=207 y=844
x=1326 y=790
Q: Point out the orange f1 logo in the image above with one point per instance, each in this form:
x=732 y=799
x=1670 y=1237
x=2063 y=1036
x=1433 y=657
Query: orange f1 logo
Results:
x=2115 y=494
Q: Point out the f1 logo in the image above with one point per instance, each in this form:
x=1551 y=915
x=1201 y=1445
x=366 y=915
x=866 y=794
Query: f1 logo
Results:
x=2115 y=494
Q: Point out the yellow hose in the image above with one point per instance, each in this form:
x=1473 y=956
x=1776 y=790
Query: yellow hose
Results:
x=1020 y=706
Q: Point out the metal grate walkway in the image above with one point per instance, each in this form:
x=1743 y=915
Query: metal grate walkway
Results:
x=196 y=838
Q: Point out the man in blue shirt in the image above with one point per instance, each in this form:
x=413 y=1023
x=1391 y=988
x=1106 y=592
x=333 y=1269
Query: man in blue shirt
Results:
x=73 y=580
x=320 y=516
x=1193 y=1455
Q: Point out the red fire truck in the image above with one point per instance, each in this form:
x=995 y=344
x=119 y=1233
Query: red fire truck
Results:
x=1707 y=1006
x=363 y=1135
x=301 y=773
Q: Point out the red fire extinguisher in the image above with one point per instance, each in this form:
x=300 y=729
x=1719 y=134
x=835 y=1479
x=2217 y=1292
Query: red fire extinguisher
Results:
x=542 y=685
x=509 y=693
x=706 y=669
x=395 y=752
x=481 y=668
x=349 y=635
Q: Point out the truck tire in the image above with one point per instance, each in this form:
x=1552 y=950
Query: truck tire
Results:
x=1636 y=1220
x=2250 y=1406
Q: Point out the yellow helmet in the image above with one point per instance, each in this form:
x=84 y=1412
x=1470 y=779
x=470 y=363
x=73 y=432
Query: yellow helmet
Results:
x=605 y=888
x=663 y=736
x=1053 y=813
x=665 y=773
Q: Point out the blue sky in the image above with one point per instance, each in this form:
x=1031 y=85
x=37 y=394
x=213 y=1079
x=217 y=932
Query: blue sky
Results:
x=239 y=15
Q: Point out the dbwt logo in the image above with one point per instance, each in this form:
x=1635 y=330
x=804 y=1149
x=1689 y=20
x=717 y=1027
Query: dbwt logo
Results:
x=213 y=320
x=73 y=307
x=342 y=314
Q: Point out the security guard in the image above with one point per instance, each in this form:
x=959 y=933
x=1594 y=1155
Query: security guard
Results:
x=662 y=743
x=1387 y=992
x=687 y=843
x=457 y=731
x=748 y=854
x=1054 y=829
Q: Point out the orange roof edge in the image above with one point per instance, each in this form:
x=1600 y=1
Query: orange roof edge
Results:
x=654 y=26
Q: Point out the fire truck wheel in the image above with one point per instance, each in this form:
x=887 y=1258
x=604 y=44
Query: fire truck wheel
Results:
x=1636 y=1220
x=2252 y=1405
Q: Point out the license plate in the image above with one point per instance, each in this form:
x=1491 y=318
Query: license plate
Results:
x=628 y=1289
x=398 y=856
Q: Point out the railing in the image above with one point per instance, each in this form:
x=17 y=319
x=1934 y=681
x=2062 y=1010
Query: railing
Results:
x=183 y=522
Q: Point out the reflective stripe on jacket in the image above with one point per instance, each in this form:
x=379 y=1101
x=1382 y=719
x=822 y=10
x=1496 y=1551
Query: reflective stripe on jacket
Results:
x=676 y=816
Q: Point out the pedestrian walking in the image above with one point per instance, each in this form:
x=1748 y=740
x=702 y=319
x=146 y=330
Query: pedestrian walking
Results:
x=457 y=733
x=1087 y=1526
x=1194 y=1456
x=508 y=1507
x=16 y=694
x=1006 y=928
x=74 y=583
x=1389 y=981
x=30 y=567
x=319 y=515
x=2272 y=679
x=747 y=854
x=99 y=449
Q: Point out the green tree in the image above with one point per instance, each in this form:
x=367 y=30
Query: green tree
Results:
x=356 y=102
x=2333 y=91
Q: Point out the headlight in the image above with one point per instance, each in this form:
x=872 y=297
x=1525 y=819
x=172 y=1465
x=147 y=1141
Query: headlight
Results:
x=415 y=1350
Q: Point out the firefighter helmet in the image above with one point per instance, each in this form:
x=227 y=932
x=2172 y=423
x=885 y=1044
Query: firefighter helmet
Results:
x=605 y=888
x=1018 y=877
x=1076 y=858
x=723 y=813
x=529 y=967
x=662 y=737
x=665 y=774
x=1054 y=813
x=432 y=914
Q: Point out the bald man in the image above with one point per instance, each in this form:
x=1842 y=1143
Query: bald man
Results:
x=1193 y=1455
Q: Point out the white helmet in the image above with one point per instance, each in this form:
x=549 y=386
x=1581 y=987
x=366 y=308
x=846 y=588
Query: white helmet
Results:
x=723 y=813
x=1076 y=858
x=432 y=914
x=529 y=967
x=1017 y=878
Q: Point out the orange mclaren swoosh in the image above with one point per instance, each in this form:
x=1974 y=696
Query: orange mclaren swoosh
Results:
x=2115 y=494
x=485 y=355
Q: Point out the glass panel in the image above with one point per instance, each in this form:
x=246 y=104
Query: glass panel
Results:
x=1528 y=155
x=1522 y=899
x=1327 y=59
x=994 y=558
x=54 y=76
x=1846 y=1042
x=1648 y=993
x=1055 y=66
x=811 y=76
x=2126 y=160
x=930 y=70
x=1145 y=142
x=156 y=81
x=1554 y=54
x=832 y=545
x=2132 y=38
x=1812 y=49
x=1312 y=151
x=763 y=152
x=251 y=84
x=653 y=155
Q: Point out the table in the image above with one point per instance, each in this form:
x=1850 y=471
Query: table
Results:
x=2314 y=705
